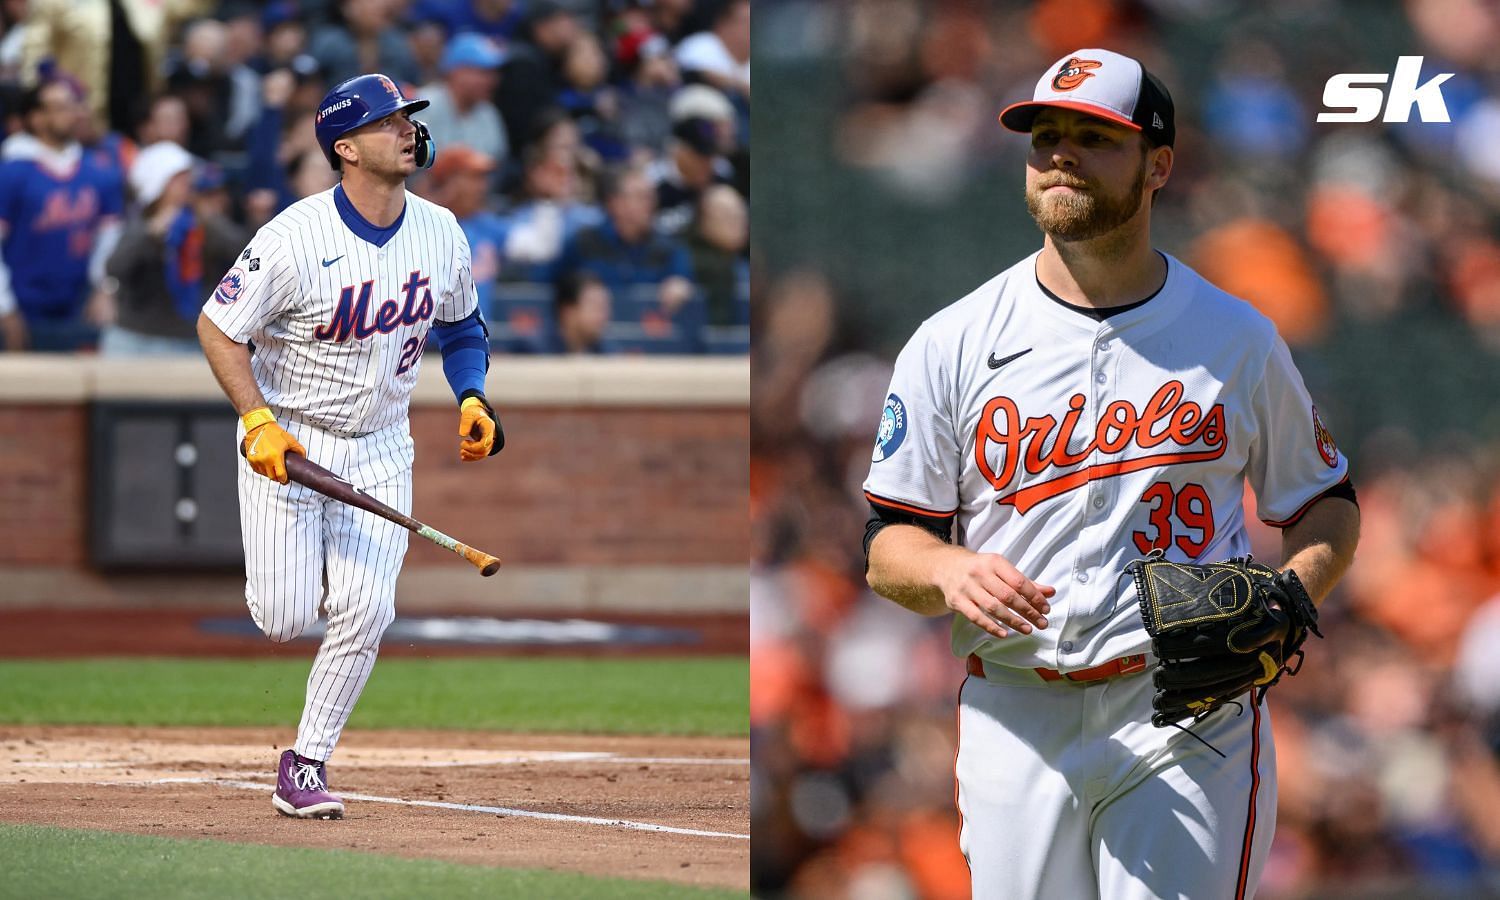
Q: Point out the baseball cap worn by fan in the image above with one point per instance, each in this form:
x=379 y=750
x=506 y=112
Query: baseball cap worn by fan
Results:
x=1105 y=84
x=457 y=159
x=470 y=49
x=699 y=135
x=156 y=165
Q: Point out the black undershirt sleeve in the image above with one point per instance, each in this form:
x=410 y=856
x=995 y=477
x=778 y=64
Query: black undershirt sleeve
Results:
x=940 y=527
x=1344 y=490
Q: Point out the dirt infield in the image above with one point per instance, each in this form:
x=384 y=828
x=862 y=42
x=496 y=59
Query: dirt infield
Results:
x=640 y=807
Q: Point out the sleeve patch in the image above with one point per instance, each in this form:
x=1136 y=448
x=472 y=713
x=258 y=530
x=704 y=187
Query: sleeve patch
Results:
x=230 y=287
x=1324 y=439
x=892 y=429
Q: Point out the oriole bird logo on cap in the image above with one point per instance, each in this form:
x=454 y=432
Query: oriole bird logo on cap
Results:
x=1073 y=73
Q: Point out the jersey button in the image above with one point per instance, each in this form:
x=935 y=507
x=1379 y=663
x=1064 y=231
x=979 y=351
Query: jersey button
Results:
x=1102 y=346
x=1098 y=503
x=1100 y=377
x=1083 y=578
x=1067 y=646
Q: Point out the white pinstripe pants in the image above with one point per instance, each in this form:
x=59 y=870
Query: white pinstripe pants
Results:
x=305 y=551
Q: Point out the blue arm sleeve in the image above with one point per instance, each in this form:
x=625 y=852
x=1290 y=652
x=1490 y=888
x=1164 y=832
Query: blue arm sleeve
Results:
x=465 y=346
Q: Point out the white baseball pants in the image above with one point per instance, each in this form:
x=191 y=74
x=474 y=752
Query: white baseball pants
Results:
x=1067 y=790
x=306 y=553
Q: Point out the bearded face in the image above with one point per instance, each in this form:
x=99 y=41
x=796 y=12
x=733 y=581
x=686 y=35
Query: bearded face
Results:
x=1069 y=207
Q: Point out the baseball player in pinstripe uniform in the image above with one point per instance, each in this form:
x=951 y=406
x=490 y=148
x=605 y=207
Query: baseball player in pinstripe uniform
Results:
x=1094 y=403
x=316 y=334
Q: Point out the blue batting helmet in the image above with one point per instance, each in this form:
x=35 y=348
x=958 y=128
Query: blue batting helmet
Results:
x=360 y=101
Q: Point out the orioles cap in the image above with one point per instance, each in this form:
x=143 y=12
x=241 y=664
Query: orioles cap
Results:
x=1105 y=84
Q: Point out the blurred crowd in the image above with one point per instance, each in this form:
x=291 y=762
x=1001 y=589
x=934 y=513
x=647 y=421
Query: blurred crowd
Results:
x=1376 y=248
x=596 y=155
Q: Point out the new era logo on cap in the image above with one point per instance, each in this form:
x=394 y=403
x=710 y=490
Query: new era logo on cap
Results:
x=1100 y=83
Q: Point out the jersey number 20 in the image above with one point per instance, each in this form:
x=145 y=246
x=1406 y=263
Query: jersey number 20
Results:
x=411 y=351
x=1193 y=511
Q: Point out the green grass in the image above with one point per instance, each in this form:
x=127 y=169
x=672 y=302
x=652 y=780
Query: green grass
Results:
x=694 y=696
x=60 y=862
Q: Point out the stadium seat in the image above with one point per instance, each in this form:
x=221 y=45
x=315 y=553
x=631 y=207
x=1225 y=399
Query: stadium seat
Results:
x=519 y=316
x=640 y=326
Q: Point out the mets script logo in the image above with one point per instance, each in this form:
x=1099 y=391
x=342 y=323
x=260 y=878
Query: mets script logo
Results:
x=1169 y=430
x=352 y=317
x=230 y=286
x=1324 y=438
x=1073 y=73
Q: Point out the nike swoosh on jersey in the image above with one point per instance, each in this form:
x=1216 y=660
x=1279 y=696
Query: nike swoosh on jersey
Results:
x=996 y=362
x=329 y=262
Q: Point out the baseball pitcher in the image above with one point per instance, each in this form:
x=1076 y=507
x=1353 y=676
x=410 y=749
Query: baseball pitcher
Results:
x=1061 y=463
x=316 y=335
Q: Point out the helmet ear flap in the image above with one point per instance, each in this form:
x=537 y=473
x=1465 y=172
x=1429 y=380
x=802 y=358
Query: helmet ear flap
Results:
x=425 y=152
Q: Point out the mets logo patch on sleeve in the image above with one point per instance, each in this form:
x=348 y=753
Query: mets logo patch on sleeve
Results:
x=230 y=286
x=892 y=429
x=1324 y=438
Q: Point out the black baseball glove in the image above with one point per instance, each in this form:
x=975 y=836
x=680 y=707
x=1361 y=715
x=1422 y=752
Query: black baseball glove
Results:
x=1219 y=630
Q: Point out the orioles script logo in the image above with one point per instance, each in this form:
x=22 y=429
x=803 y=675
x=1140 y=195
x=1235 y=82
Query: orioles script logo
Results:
x=1073 y=73
x=1168 y=425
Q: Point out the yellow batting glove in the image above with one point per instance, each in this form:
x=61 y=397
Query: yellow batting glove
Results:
x=267 y=444
x=477 y=427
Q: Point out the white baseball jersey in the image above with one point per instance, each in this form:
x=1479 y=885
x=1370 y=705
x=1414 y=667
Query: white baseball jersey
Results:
x=338 y=310
x=1071 y=446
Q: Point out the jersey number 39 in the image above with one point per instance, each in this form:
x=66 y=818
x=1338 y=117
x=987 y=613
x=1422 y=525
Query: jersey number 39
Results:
x=1193 y=511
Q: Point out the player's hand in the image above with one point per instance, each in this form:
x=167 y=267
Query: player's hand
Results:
x=267 y=444
x=478 y=428
x=990 y=592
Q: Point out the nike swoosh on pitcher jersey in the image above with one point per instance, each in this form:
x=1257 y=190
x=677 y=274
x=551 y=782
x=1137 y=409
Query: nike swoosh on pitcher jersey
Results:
x=996 y=362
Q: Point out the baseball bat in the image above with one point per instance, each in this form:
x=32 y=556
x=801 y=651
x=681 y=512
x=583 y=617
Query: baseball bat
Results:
x=306 y=472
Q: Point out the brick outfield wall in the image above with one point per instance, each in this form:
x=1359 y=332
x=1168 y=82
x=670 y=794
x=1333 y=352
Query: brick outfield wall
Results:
x=575 y=486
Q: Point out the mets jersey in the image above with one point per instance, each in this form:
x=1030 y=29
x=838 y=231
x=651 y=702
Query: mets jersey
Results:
x=338 y=311
x=1071 y=446
x=52 y=204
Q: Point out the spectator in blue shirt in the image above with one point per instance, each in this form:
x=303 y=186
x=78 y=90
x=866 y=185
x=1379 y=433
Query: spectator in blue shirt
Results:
x=59 y=221
x=625 y=251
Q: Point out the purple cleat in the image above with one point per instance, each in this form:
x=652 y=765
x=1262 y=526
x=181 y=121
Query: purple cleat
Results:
x=302 y=790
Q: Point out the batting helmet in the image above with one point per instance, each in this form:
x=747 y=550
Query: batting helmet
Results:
x=360 y=101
